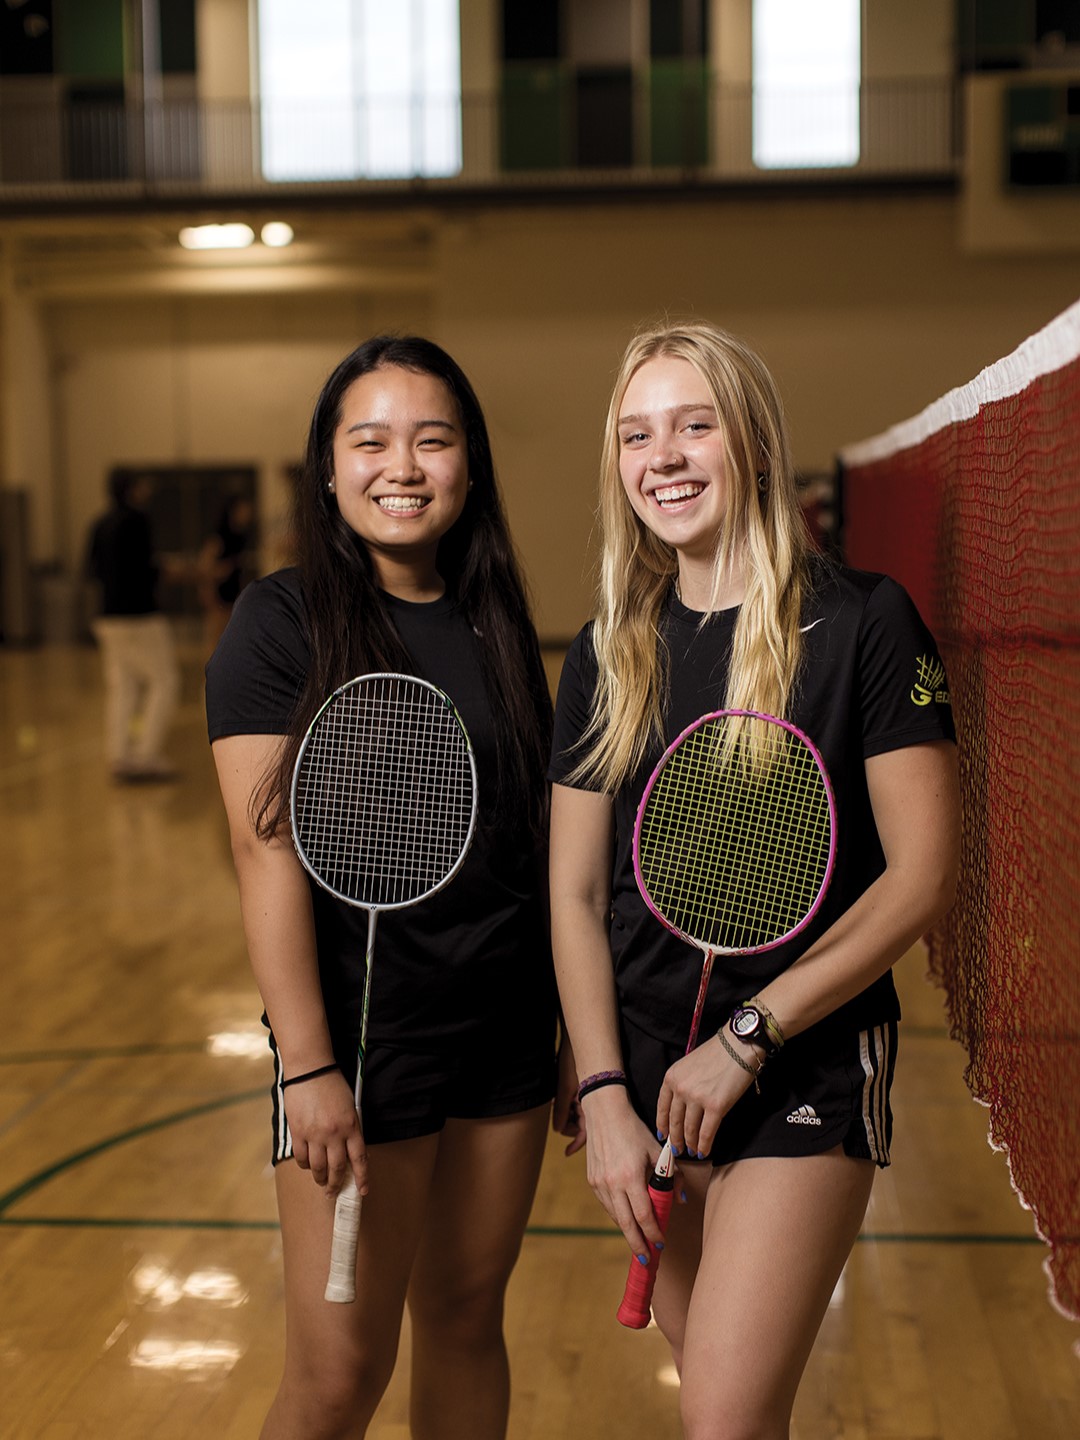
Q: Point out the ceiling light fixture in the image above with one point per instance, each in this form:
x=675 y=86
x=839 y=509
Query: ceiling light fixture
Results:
x=276 y=234
x=216 y=237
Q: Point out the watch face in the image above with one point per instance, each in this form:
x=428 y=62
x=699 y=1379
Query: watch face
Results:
x=745 y=1023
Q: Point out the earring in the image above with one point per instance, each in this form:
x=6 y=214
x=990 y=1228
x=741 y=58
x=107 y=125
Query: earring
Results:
x=762 y=481
x=330 y=487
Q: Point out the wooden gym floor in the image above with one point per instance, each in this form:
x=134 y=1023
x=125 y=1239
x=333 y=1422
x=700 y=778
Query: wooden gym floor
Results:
x=140 y=1285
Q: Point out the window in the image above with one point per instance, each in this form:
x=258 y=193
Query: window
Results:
x=807 y=67
x=359 y=88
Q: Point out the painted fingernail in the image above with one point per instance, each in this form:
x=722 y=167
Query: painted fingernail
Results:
x=643 y=1259
x=661 y=1136
x=659 y=1245
x=682 y=1197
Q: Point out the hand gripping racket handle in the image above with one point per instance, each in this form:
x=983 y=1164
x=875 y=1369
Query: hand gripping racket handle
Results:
x=636 y=1307
x=341 y=1286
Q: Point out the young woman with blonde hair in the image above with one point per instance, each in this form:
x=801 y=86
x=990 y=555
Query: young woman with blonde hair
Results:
x=711 y=597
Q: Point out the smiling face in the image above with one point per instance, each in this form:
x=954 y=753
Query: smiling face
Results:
x=400 y=472
x=672 y=456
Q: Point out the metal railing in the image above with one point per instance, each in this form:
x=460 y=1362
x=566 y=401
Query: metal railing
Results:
x=535 y=134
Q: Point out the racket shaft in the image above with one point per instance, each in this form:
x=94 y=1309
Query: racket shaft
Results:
x=699 y=1003
x=341 y=1282
x=341 y=1285
x=636 y=1307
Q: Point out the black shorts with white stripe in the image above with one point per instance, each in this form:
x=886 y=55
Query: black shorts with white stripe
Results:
x=413 y=1092
x=827 y=1087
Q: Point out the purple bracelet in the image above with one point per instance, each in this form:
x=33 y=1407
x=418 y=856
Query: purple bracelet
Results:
x=599 y=1080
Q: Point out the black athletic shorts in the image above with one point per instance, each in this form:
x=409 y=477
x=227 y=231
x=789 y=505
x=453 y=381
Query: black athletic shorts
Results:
x=409 y=1093
x=827 y=1087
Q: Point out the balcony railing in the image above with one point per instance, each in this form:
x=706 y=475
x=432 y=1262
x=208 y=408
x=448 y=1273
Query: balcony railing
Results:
x=541 y=131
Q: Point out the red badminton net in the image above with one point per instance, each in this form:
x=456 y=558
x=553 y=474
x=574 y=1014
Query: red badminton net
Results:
x=975 y=507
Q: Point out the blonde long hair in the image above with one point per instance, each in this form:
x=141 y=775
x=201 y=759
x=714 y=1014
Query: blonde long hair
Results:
x=764 y=531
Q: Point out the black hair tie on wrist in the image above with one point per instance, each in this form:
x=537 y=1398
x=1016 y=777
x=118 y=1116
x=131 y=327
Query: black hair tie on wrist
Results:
x=309 y=1075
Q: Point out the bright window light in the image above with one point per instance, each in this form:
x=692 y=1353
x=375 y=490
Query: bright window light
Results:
x=807 y=68
x=359 y=88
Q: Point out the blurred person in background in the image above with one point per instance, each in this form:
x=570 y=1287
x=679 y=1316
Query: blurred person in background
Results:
x=222 y=565
x=141 y=673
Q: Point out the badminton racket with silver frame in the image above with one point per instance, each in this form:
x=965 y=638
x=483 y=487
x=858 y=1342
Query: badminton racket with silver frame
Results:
x=383 y=808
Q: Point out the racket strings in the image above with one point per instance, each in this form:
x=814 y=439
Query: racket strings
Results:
x=399 y=802
x=400 y=840
x=733 y=852
x=384 y=792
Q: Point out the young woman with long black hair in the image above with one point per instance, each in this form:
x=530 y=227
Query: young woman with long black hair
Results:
x=405 y=564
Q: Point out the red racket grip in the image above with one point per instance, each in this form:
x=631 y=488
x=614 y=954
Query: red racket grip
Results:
x=636 y=1307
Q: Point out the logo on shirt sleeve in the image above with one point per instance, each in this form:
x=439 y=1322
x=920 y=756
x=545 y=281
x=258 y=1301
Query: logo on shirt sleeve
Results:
x=929 y=682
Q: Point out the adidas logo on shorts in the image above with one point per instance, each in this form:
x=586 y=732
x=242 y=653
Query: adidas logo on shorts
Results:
x=804 y=1115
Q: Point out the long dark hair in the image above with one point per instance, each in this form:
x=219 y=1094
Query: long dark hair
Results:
x=349 y=627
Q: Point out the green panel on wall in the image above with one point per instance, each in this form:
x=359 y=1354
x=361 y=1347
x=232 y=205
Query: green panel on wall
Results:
x=535 y=133
x=679 y=112
x=1042 y=136
x=177 y=20
x=89 y=41
x=1004 y=23
x=1035 y=104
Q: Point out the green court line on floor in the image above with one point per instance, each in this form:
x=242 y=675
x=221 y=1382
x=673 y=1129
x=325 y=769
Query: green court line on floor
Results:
x=126 y=1222
x=557 y=1232
x=35 y=1182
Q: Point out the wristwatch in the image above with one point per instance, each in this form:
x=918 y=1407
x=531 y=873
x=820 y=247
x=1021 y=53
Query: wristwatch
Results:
x=748 y=1023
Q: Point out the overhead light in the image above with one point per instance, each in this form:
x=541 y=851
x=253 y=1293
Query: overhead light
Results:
x=216 y=237
x=276 y=233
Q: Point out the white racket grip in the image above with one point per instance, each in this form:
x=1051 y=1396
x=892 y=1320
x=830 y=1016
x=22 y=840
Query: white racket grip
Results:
x=341 y=1285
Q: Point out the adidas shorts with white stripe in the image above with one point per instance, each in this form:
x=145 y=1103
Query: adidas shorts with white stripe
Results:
x=827 y=1087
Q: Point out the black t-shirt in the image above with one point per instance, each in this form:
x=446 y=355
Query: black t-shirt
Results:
x=476 y=953
x=871 y=682
x=122 y=558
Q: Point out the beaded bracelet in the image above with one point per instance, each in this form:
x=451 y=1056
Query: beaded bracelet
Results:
x=309 y=1075
x=599 y=1080
x=741 y=1060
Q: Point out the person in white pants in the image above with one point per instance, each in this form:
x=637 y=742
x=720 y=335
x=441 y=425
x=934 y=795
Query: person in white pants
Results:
x=142 y=678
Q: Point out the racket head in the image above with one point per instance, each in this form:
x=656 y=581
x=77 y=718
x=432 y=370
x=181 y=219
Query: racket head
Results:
x=383 y=798
x=732 y=855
